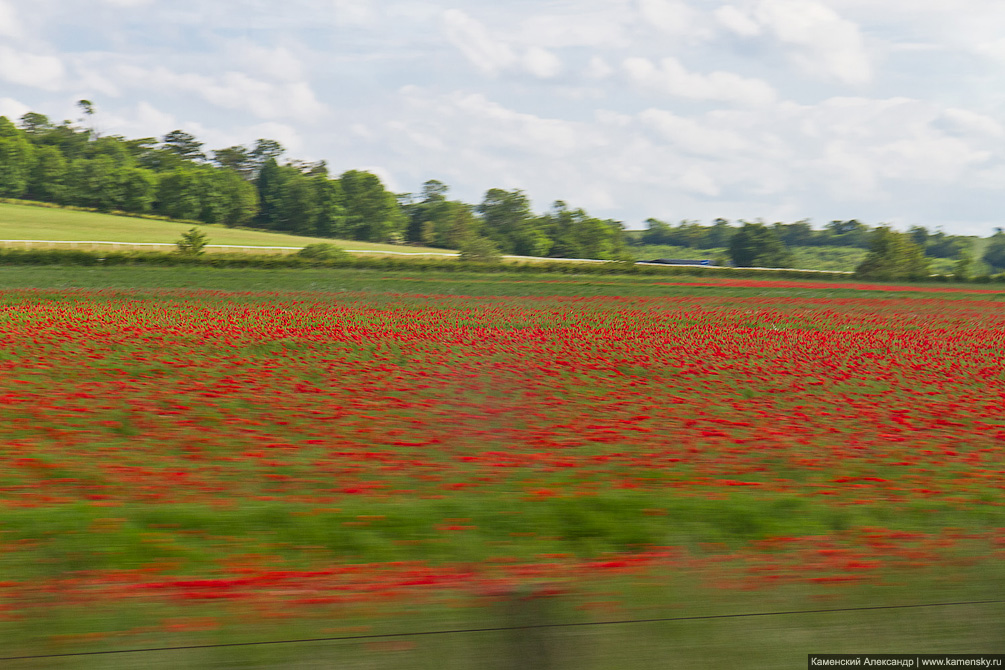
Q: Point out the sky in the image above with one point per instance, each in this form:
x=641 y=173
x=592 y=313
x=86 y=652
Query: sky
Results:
x=887 y=111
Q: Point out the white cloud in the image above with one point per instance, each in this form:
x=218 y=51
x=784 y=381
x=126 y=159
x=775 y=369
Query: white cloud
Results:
x=541 y=63
x=926 y=157
x=737 y=21
x=18 y=67
x=13 y=109
x=235 y=90
x=485 y=144
x=604 y=27
x=846 y=172
x=703 y=131
x=966 y=121
x=696 y=180
x=673 y=17
x=89 y=76
x=476 y=43
x=598 y=68
x=153 y=119
x=693 y=136
x=828 y=45
x=419 y=138
x=549 y=137
x=10 y=26
x=671 y=77
x=275 y=63
x=354 y=12
x=141 y=120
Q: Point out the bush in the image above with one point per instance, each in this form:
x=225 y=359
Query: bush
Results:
x=756 y=245
x=480 y=250
x=893 y=257
x=323 y=251
x=192 y=243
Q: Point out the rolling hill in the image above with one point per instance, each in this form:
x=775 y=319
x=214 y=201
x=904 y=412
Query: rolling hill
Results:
x=30 y=222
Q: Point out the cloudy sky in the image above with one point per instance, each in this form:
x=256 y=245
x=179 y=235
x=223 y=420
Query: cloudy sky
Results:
x=885 y=111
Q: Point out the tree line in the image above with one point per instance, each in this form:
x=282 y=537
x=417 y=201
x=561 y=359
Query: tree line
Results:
x=853 y=233
x=892 y=255
x=69 y=163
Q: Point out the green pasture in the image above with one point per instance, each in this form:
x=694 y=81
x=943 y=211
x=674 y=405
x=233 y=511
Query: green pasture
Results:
x=425 y=282
x=837 y=259
x=37 y=222
x=28 y=222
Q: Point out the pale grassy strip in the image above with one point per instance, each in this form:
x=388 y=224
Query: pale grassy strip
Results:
x=18 y=221
x=98 y=245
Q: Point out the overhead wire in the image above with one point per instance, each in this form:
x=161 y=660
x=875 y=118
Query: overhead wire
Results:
x=456 y=631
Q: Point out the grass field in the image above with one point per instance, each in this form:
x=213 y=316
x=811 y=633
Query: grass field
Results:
x=198 y=456
x=840 y=259
x=26 y=222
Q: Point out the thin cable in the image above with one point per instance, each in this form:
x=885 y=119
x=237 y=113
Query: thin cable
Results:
x=500 y=628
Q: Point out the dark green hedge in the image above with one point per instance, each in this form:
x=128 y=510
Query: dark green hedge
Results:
x=275 y=261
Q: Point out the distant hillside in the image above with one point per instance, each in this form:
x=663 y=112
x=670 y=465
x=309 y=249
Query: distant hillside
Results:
x=840 y=259
x=30 y=222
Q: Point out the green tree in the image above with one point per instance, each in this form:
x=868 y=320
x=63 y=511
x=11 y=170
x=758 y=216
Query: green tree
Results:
x=757 y=245
x=178 y=194
x=264 y=150
x=35 y=124
x=919 y=235
x=270 y=193
x=578 y=235
x=183 y=145
x=48 y=176
x=212 y=197
x=438 y=222
x=16 y=160
x=851 y=233
x=720 y=233
x=298 y=205
x=240 y=198
x=423 y=216
x=797 y=234
x=114 y=147
x=371 y=212
x=87 y=107
x=95 y=183
x=71 y=141
x=994 y=253
x=331 y=209
x=508 y=221
x=893 y=256
x=461 y=225
x=964 y=266
x=238 y=159
x=657 y=232
x=138 y=189
x=940 y=245
x=192 y=242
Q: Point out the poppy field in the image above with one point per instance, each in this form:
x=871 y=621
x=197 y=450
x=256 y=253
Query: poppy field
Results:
x=181 y=461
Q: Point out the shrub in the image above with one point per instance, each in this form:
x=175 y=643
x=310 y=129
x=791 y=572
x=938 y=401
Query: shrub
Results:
x=893 y=257
x=480 y=250
x=323 y=251
x=192 y=243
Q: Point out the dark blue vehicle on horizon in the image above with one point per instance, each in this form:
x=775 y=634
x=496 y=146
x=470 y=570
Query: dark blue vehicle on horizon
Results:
x=679 y=261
